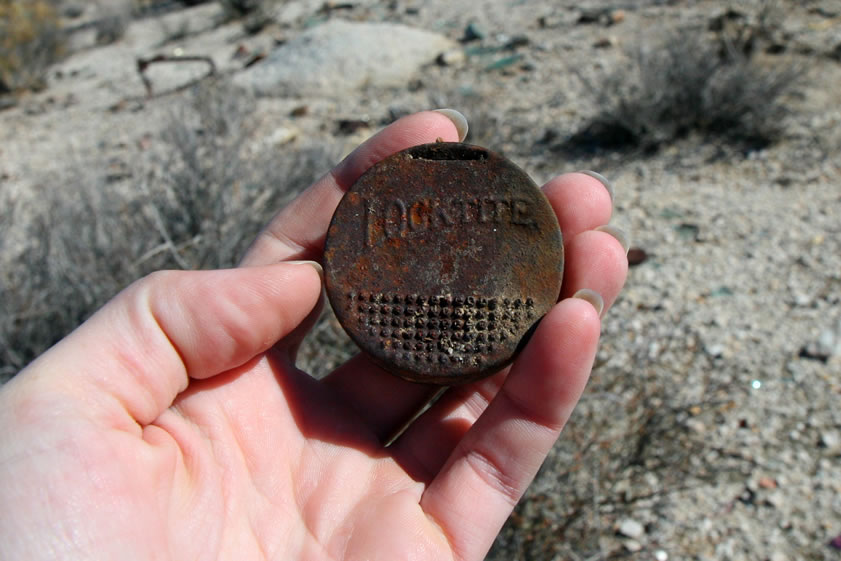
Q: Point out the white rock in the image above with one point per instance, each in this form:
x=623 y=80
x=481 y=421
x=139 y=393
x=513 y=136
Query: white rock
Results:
x=632 y=545
x=452 y=57
x=631 y=528
x=281 y=136
x=340 y=56
x=831 y=440
x=661 y=555
x=696 y=426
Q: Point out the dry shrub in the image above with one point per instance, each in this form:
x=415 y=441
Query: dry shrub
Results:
x=255 y=14
x=240 y=8
x=198 y=204
x=690 y=81
x=112 y=23
x=31 y=40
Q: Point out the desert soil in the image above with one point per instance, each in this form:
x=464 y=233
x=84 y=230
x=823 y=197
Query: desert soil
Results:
x=711 y=428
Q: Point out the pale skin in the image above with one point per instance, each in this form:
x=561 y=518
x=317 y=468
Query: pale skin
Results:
x=174 y=425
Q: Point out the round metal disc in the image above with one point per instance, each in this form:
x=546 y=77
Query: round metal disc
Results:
x=440 y=260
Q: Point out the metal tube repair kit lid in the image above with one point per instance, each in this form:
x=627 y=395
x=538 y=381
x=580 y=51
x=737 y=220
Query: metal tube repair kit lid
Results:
x=440 y=261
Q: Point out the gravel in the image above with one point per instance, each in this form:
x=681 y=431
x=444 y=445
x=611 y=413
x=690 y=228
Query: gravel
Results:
x=711 y=427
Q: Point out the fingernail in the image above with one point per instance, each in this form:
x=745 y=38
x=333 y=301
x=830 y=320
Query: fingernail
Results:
x=459 y=120
x=314 y=264
x=592 y=297
x=619 y=234
x=607 y=184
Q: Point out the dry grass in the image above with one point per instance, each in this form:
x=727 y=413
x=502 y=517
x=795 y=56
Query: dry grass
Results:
x=688 y=82
x=197 y=205
x=31 y=40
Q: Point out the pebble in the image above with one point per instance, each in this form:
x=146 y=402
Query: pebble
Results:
x=452 y=57
x=281 y=136
x=632 y=545
x=637 y=256
x=831 y=440
x=473 y=32
x=631 y=528
x=696 y=426
x=766 y=482
x=827 y=345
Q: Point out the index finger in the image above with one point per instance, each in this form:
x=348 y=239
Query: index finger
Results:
x=297 y=231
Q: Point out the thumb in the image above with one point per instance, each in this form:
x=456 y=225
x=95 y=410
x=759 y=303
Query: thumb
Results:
x=141 y=348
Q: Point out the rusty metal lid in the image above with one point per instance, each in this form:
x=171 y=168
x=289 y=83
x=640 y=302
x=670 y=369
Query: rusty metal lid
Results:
x=440 y=260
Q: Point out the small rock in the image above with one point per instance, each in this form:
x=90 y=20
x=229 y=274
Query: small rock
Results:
x=281 y=136
x=350 y=126
x=632 y=545
x=452 y=57
x=616 y=16
x=715 y=350
x=299 y=111
x=601 y=16
x=548 y=21
x=696 y=426
x=637 y=256
x=766 y=482
x=661 y=555
x=630 y=528
x=516 y=41
x=831 y=440
x=604 y=43
x=590 y=16
x=776 y=499
x=802 y=300
x=473 y=32
x=822 y=349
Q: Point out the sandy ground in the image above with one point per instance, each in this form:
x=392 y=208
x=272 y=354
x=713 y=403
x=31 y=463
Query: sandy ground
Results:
x=711 y=428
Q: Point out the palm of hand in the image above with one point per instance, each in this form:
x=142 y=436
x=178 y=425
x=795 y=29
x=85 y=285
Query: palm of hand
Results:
x=172 y=425
x=239 y=467
x=285 y=471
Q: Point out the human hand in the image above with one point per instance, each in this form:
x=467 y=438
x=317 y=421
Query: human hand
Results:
x=174 y=425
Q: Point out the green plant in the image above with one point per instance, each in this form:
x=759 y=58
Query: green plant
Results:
x=30 y=41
